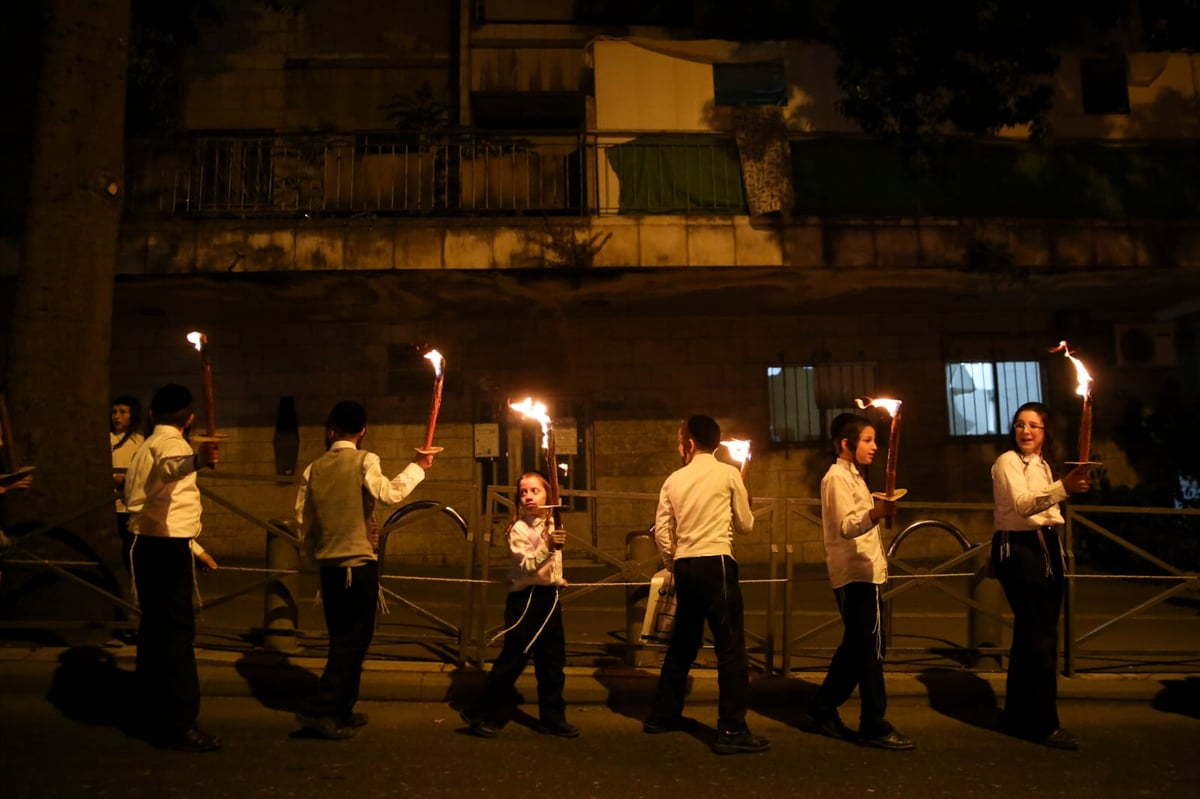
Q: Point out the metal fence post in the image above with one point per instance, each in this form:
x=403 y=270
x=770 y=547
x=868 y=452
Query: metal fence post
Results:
x=280 y=606
x=985 y=630
x=1069 y=597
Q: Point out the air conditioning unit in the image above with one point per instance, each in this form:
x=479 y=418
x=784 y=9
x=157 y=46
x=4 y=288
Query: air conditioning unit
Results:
x=1145 y=345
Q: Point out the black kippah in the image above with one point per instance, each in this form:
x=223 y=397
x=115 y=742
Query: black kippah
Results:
x=348 y=417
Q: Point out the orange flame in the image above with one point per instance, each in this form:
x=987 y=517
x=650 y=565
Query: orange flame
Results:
x=1084 y=380
x=197 y=339
x=739 y=449
x=535 y=410
x=435 y=358
x=892 y=406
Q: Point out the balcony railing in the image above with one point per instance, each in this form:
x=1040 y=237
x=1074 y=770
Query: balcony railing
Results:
x=471 y=172
x=445 y=173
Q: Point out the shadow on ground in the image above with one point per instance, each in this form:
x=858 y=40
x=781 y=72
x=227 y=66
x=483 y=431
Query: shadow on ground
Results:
x=1179 y=696
x=275 y=681
x=962 y=695
x=88 y=686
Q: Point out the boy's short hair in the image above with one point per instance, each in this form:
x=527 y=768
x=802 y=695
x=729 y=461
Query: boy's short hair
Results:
x=172 y=404
x=705 y=431
x=847 y=426
x=348 y=418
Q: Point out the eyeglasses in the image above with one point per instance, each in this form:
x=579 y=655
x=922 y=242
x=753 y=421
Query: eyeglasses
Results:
x=1028 y=426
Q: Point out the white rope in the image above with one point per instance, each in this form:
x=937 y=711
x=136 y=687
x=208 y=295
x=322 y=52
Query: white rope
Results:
x=528 y=602
x=1190 y=578
x=545 y=621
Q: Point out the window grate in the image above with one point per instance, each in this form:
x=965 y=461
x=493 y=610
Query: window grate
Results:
x=804 y=400
x=983 y=395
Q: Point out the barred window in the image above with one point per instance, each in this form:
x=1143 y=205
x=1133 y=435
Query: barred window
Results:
x=805 y=399
x=982 y=396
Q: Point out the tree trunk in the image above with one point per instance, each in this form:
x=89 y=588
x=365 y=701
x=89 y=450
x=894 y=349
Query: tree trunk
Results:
x=58 y=382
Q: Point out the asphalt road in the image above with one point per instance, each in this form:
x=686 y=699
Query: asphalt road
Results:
x=72 y=746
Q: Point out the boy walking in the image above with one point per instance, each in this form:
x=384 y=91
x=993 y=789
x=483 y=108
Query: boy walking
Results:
x=857 y=568
x=336 y=512
x=164 y=507
x=699 y=507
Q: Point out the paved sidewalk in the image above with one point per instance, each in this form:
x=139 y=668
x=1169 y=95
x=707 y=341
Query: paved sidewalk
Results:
x=25 y=669
x=408 y=663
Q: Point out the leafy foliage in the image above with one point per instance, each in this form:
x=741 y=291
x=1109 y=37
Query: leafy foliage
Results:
x=419 y=112
x=1162 y=444
x=923 y=70
x=160 y=32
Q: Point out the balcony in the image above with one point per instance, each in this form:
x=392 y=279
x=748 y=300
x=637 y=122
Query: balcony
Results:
x=474 y=173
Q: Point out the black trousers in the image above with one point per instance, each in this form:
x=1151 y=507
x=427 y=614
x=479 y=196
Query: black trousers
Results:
x=349 y=598
x=126 y=540
x=166 y=661
x=706 y=590
x=858 y=661
x=530 y=615
x=1033 y=582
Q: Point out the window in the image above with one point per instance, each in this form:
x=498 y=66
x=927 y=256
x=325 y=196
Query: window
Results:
x=982 y=396
x=754 y=83
x=805 y=399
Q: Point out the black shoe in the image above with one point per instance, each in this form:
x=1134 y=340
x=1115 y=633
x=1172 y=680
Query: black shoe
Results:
x=192 y=739
x=479 y=727
x=327 y=726
x=1060 y=739
x=653 y=726
x=732 y=743
x=832 y=727
x=894 y=740
x=560 y=728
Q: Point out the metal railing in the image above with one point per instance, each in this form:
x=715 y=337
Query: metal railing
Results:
x=465 y=172
x=1102 y=598
x=1080 y=521
x=382 y=173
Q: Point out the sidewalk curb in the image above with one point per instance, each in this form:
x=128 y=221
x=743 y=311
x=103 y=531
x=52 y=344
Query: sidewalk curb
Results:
x=248 y=674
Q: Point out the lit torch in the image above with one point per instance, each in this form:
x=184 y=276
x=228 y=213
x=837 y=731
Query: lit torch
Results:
x=892 y=406
x=1084 y=389
x=435 y=406
x=537 y=411
x=200 y=342
x=739 y=451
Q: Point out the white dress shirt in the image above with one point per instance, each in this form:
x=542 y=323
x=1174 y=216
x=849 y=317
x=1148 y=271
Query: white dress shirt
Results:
x=534 y=561
x=160 y=486
x=699 y=508
x=122 y=455
x=853 y=547
x=1025 y=492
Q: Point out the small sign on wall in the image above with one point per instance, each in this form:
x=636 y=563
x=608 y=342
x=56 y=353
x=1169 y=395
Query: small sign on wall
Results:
x=566 y=437
x=487 y=440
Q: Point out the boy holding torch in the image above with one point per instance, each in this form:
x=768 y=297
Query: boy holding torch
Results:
x=532 y=619
x=164 y=507
x=857 y=568
x=700 y=506
x=335 y=509
x=1029 y=561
